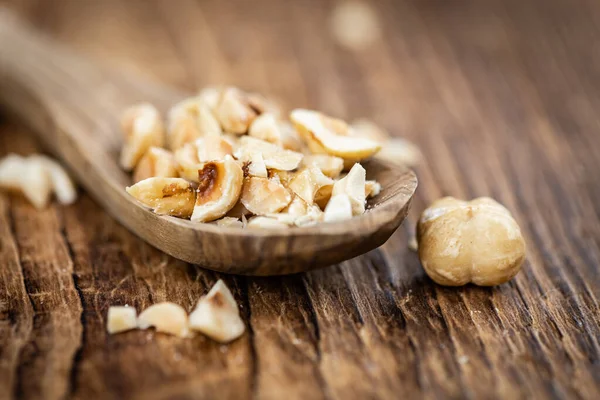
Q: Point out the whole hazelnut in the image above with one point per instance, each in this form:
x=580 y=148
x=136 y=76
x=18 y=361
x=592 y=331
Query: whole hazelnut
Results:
x=474 y=241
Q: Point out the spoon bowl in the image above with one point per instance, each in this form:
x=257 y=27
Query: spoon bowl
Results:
x=74 y=107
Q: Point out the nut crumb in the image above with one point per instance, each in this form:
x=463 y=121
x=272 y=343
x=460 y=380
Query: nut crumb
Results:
x=166 y=317
x=217 y=315
x=37 y=177
x=121 y=319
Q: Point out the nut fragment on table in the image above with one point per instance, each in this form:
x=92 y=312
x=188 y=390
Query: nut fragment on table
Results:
x=187 y=163
x=217 y=315
x=142 y=128
x=313 y=216
x=121 y=319
x=476 y=241
x=36 y=177
x=219 y=187
x=190 y=120
x=62 y=184
x=256 y=166
x=290 y=139
x=156 y=162
x=296 y=208
x=165 y=317
x=169 y=196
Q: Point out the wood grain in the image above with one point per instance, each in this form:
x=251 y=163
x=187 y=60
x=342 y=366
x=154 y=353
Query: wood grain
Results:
x=501 y=96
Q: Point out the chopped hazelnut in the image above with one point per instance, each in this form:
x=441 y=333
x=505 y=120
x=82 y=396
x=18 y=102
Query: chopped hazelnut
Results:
x=62 y=184
x=353 y=185
x=217 y=315
x=229 y=222
x=234 y=111
x=121 y=319
x=156 y=162
x=142 y=128
x=220 y=184
x=28 y=176
x=190 y=120
x=165 y=317
x=257 y=166
x=333 y=136
x=170 y=196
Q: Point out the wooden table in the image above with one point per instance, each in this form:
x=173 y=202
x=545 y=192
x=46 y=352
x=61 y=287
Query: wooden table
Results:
x=503 y=97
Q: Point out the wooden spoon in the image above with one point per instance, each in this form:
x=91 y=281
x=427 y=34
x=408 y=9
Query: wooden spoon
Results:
x=74 y=106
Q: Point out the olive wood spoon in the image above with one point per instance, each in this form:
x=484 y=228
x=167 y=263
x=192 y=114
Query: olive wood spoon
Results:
x=74 y=106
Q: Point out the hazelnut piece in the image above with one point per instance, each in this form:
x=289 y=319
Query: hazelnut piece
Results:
x=323 y=133
x=339 y=208
x=166 y=317
x=220 y=184
x=217 y=315
x=121 y=319
x=353 y=185
x=474 y=241
x=263 y=196
x=188 y=121
x=170 y=196
x=156 y=162
x=142 y=128
x=308 y=182
x=331 y=166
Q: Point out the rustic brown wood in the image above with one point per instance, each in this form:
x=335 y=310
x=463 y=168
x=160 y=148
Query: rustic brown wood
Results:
x=502 y=97
x=75 y=108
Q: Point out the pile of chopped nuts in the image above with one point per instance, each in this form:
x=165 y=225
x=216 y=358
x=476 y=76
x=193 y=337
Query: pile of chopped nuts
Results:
x=226 y=157
x=216 y=315
x=37 y=177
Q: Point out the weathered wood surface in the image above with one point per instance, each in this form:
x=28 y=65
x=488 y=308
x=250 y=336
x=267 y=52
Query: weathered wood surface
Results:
x=502 y=97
